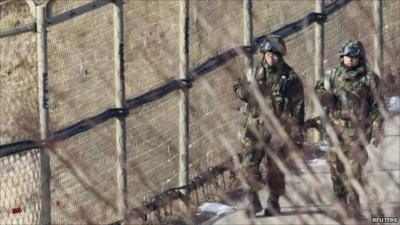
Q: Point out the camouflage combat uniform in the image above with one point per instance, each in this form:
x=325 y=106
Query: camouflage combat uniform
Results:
x=282 y=90
x=353 y=111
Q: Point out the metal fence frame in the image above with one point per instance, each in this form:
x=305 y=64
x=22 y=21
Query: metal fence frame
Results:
x=183 y=85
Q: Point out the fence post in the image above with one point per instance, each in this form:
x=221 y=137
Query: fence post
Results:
x=378 y=37
x=120 y=102
x=248 y=33
x=41 y=40
x=319 y=54
x=319 y=43
x=32 y=7
x=183 y=93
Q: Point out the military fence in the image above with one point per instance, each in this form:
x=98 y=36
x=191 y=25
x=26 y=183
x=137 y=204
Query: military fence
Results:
x=108 y=108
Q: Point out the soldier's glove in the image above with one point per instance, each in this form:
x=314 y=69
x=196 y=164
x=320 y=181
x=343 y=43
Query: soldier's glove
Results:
x=327 y=99
x=241 y=89
x=378 y=136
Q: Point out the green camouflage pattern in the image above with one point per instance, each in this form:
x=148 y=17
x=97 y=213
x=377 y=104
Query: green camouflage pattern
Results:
x=354 y=94
x=282 y=89
x=283 y=92
x=352 y=106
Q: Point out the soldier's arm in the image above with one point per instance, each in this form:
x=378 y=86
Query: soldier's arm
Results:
x=242 y=87
x=326 y=97
x=375 y=88
x=296 y=91
x=377 y=118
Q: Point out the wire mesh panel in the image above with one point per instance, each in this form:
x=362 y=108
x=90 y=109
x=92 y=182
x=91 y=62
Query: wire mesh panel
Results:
x=391 y=39
x=60 y=6
x=151 y=44
x=18 y=76
x=152 y=143
x=216 y=124
x=215 y=26
x=19 y=177
x=270 y=15
x=19 y=188
x=18 y=80
x=81 y=67
x=301 y=56
x=84 y=177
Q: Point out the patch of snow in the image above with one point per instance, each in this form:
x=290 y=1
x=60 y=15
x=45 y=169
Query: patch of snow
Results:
x=217 y=208
x=394 y=104
x=316 y=162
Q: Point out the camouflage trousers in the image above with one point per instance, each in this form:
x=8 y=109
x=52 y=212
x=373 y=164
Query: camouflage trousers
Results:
x=356 y=156
x=251 y=168
x=256 y=153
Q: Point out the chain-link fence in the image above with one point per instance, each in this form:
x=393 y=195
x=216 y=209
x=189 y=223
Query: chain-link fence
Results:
x=81 y=88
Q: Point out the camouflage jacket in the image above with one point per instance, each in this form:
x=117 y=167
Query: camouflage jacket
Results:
x=354 y=93
x=281 y=88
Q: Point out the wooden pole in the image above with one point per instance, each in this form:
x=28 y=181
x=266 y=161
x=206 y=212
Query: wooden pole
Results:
x=45 y=193
x=378 y=37
x=248 y=33
x=120 y=102
x=183 y=93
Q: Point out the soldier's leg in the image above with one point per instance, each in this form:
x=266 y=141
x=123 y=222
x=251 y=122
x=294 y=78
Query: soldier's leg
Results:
x=276 y=185
x=354 y=200
x=357 y=156
x=276 y=179
x=337 y=172
x=252 y=174
x=251 y=169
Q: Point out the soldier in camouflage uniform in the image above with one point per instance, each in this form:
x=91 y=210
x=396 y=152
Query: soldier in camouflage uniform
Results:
x=282 y=90
x=350 y=97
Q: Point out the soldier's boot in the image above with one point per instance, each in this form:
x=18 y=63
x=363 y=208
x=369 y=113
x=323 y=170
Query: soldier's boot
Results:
x=354 y=207
x=254 y=204
x=343 y=203
x=338 y=214
x=276 y=185
x=273 y=206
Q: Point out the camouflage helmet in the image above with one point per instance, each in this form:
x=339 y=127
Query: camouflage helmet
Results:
x=275 y=44
x=353 y=48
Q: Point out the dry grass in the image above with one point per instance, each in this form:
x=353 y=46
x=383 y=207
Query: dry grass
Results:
x=9 y=21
